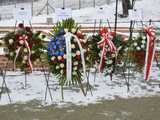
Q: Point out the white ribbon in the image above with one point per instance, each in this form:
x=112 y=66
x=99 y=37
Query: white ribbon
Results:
x=68 y=37
x=69 y=57
x=17 y=53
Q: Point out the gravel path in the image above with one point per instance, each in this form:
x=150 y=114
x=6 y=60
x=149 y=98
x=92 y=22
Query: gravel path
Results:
x=119 y=109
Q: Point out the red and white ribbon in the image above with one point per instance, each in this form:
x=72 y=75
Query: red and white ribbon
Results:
x=24 y=38
x=150 y=50
x=106 y=41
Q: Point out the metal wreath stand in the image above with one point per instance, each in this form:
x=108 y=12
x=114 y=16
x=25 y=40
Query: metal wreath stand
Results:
x=4 y=74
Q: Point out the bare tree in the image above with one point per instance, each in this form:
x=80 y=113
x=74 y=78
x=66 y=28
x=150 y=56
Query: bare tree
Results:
x=126 y=5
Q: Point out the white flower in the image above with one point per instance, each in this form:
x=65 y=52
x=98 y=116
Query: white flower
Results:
x=25 y=57
x=87 y=58
x=62 y=65
x=75 y=68
x=66 y=30
x=38 y=60
x=126 y=49
x=90 y=46
x=109 y=71
x=35 y=63
x=21 y=42
x=126 y=39
x=78 y=53
x=142 y=46
x=143 y=41
x=109 y=62
x=135 y=44
x=24 y=62
x=85 y=40
x=11 y=41
x=11 y=53
x=25 y=50
x=73 y=30
x=52 y=58
x=61 y=71
x=1 y=42
x=144 y=38
x=138 y=48
x=57 y=67
x=59 y=58
x=75 y=63
x=74 y=73
x=133 y=38
x=73 y=46
x=32 y=51
x=88 y=49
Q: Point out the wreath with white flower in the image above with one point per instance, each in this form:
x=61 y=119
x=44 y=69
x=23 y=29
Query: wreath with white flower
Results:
x=24 y=47
x=136 y=47
x=111 y=58
x=57 y=53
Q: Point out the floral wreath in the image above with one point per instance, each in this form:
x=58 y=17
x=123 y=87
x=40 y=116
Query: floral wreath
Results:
x=68 y=53
x=25 y=47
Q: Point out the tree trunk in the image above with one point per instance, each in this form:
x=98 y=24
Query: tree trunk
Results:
x=125 y=6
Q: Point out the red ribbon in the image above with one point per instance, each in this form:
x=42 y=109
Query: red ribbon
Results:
x=23 y=37
x=150 y=32
x=106 y=41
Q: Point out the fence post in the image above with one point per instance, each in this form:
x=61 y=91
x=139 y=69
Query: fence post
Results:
x=63 y=3
x=94 y=3
x=32 y=7
x=79 y=4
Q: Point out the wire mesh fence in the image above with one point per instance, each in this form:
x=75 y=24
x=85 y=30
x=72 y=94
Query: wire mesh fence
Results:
x=48 y=6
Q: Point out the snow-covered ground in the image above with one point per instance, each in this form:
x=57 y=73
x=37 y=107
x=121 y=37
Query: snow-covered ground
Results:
x=102 y=88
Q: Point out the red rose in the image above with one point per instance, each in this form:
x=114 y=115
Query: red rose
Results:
x=21 y=25
x=62 y=60
x=28 y=29
x=17 y=36
x=78 y=57
x=30 y=46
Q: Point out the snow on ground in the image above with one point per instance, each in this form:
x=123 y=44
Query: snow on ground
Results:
x=103 y=89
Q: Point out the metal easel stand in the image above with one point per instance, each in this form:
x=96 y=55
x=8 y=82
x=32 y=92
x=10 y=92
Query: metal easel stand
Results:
x=88 y=87
x=48 y=89
x=4 y=84
x=128 y=62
